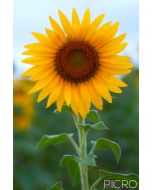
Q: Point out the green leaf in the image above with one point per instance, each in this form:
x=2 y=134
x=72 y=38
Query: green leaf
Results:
x=57 y=186
x=94 y=116
x=105 y=143
x=67 y=159
x=97 y=126
x=113 y=176
x=64 y=108
x=106 y=175
x=54 y=139
x=72 y=164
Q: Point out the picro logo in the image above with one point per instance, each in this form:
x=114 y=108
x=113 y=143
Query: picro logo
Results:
x=119 y=184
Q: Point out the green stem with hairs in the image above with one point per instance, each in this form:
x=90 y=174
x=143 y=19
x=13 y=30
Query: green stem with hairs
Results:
x=82 y=134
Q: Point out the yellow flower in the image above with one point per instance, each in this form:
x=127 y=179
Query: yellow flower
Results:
x=22 y=104
x=77 y=63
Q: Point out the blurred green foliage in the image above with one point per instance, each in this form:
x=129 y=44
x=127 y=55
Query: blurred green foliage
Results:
x=39 y=168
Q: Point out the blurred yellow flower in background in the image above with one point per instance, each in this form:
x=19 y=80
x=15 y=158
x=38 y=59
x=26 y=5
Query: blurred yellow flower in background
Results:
x=78 y=63
x=22 y=104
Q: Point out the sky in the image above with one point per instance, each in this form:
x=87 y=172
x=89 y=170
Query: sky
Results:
x=32 y=16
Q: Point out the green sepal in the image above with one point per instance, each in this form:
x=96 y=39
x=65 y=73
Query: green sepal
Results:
x=94 y=116
x=103 y=143
x=64 y=108
x=89 y=160
x=107 y=175
x=70 y=161
x=54 y=139
x=97 y=126
x=57 y=186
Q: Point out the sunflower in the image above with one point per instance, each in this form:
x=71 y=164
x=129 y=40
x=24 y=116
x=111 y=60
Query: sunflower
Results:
x=22 y=105
x=77 y=63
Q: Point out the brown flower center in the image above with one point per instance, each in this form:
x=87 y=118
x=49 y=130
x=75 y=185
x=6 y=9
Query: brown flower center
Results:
x=77 y=61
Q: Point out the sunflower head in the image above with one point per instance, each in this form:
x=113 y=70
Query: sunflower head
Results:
x=23 y=108
x=78 y=62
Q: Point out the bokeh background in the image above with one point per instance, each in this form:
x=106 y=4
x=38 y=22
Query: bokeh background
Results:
x=39 y=169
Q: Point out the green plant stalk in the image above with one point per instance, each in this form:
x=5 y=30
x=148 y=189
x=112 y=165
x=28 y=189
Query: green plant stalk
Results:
x=95 y=183
x=82 y=134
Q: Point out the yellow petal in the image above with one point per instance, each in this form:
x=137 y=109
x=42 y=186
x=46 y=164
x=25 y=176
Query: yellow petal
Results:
x=97 y=21
x=55 y=94
x=47 y=90
x=108 y=35
x=40 y=84
x=101 y=89
x=82 y=110
x=60 y=102
x=126 y=65
x=113 y=30
x=81 y=106
x=35 y=70
x=95 y=97
x=115 y=42
x=115 y=59
x=44 y=75
x=40 y=52
x=65 y=23
x=114 y=88
x=113 y=51
x=49 y=54
x=102 y=31
x=57 y=28
x=41 y=38
x=116 y=81
x=75 y=18
x=93 y=27
x=75 y=98
x=115 y=71
x=38 y=61
x=85 y=24
x=54 y=38
x=67 y=92
x=75 y=24
x=43 y=94
x=40 y=47
x=111 y=86
x=85 y=96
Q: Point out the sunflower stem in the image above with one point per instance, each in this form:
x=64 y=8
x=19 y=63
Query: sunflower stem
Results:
x=82 y=134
